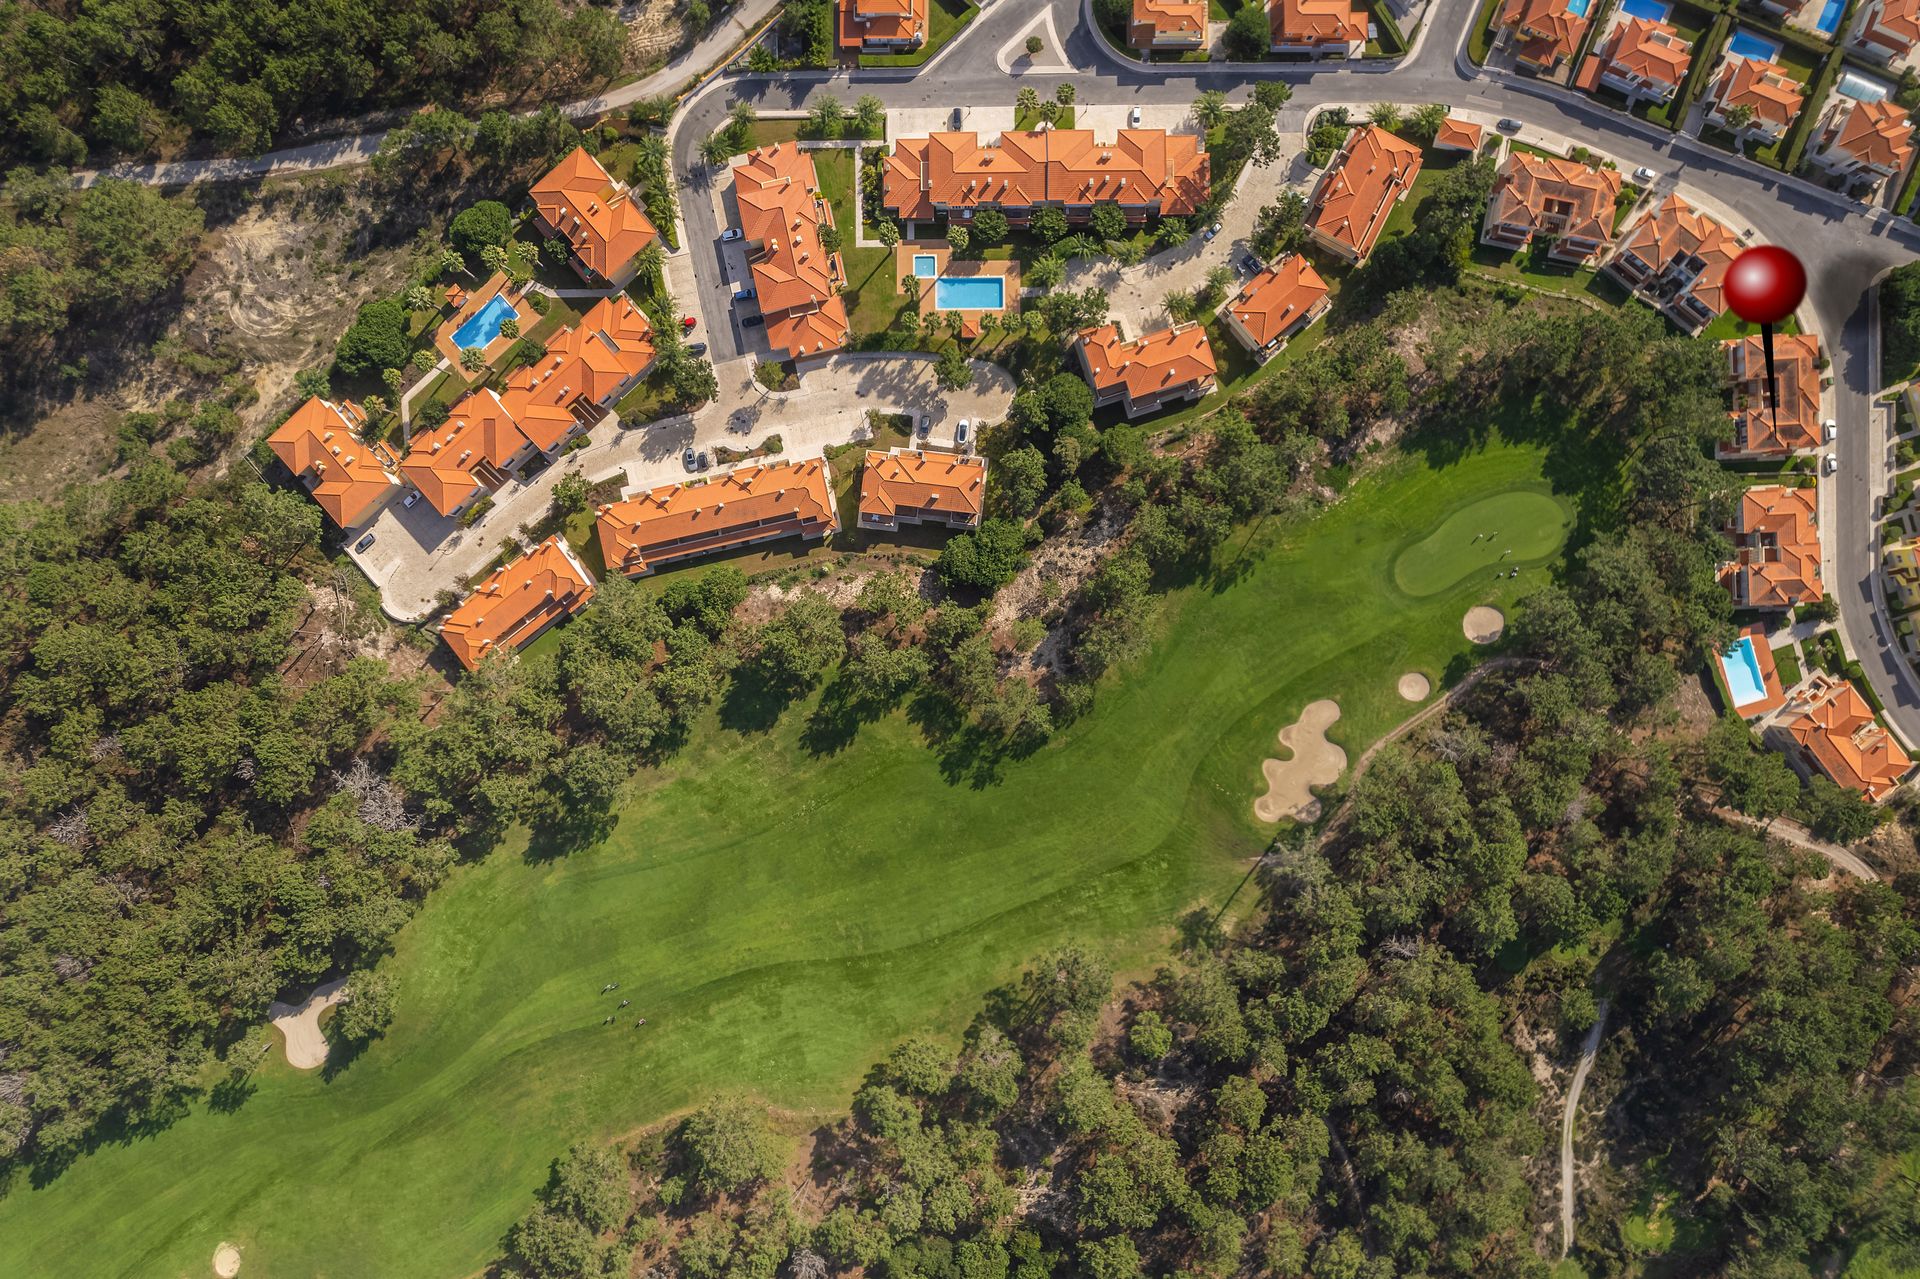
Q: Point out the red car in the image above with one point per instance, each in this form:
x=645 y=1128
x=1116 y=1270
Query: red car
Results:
x=687 y=322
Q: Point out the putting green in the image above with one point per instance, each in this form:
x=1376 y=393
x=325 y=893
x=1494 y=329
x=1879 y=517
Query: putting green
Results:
x=1527 y=524
x=781 y=909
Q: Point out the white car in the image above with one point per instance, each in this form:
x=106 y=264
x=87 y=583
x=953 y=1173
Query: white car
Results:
x=1831 y=464
x=1831 y=429
x=960 y=433
x=731 y=233
x=412 y=497
x=1133 y=118
x=1643 y=176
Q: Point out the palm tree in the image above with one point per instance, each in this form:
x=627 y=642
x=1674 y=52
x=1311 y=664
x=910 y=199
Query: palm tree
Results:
x=828 y=115
x=714 y=151
x=741 y=118
x=419 y=298
x=452 y=260
x=869 y=113
x=651 y=264
x=1210 y=109
x=495 y=259
x=1427 y=120
x=1385 y=115
x=650 y=159
x=1028 y=100
x=472 y=359
x=1064 y=95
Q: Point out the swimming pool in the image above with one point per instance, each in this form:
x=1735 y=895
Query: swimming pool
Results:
x=1578 y=8
x=1650 y=10
x=1745 y=44
x=483 y=326
x=970 y=292
x=925 y=265
x=1742 y=670
x=1829 y=20
x=1860 y=88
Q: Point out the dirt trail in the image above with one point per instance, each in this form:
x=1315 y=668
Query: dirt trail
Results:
x=1587 y=1052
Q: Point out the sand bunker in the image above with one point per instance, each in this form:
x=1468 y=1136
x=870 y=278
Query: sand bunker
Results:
x=226 y=1261
x=1414 y=686
x=1484 y=625
x=1316 y=762
x=306 y=1046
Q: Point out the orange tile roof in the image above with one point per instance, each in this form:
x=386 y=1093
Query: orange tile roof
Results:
x=1316 y=22
x=1796 y=367
x=1161 y=18
x=1561 y=197
x=741 y=506
x=599 y=217
x=517 y=602
x=1548 y=29
x=1150 y=363
x=442 y=462
x=1458 y=135
x=1675 y=230
x=1836 y=727
x=885 y=20
x=611 y=345
x=1776 y=540
x=796 y=279
x=1897 y=24
x=320 y=445
x=1275 y=299
x=1750 y=82
x=1167 y=172
x=1875 y=133
x=1646 y=50
x=944 y=483
x=1374 y=170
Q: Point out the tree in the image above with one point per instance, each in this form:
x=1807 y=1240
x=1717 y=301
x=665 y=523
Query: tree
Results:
x=1280 y=227
x=771 y=374
x=365 y=1011
x=1034 y=45
x=1385 y=115
x=377 y=339
x=957 y=238
x=986 y=558
x=1210 y=108
x=827 y=116
x=588 y=1184
x=510 y=327
x=1249 y=32
x=726 y=1145
x=570 y=493
x=869 y=114
x=1108 y=222
x=1756 y=782
x=1064 y=95
x=990 y=225
x=1023 y=478
x=797 y=647
x=1027 y=101
x=1838 y=814
x=1050 y=224
x=487 y=222
x=1149 y=1039
x=472 y=359
x=952 y=369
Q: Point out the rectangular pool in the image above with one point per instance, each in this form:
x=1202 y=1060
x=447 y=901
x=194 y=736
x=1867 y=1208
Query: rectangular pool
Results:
x=924 y=265
x=1747 y=45
x=483 y=326
x=970 y=292
x=1860 y=88
x=1648 y=10
x=1829 y=20
x=1742 y=670
x=1578 y=8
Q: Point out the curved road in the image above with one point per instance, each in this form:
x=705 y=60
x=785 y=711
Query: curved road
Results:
x=1587 y=1053
x=1845 y=245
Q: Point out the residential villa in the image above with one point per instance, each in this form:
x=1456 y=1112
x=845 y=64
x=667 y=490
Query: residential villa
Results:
x=1865 y=142
x=1887 y=30
x=1900 y=565
x=915 y=486
x=1168 y=25
x=1747 y=82
x=1318 y=28
x=517 y=602
x=586 y=369
x=1776 y=559
x=797 y=282
x=600 y=219
x=751 y=504
x=1643 y=61
x=882 y=26
x=1276 y=304
x=1543 y=195
x=1144 y=172
x=467 y=456
x=320 y=443
x=1794 y=427
x=1543 y=33
x=1373 y=172
x=1676 y=259
x=1458 y=135
x=1149 y=372
x=1832 y=730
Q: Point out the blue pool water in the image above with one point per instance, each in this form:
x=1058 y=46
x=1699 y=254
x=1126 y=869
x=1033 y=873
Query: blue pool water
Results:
x=483 y=326
x=1650 y=10
x=1742 y=670
x=1859 y=88
x=925 y=264
x=1578 y=8
x=1747 y=45
x=1829 y=21
x=970 y=292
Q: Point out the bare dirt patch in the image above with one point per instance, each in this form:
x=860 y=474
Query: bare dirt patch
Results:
x=1414 y=686
x=654 y=30
x=1313 y=761
x=1058 y=568
x=1483 y=624
x=226 y=1261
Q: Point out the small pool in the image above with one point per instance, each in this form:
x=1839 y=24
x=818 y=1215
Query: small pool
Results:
x=483 y=326
x=1829 y=20
x=1745 y=44
x=924 y=265
x=1649 y=10
x=1578 y=8
x=970 y=292
x=1859 y=88
x=1742 y=670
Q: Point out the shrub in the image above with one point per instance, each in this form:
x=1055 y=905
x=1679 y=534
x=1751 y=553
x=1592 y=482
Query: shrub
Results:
x=377 y=340
x=475 y=513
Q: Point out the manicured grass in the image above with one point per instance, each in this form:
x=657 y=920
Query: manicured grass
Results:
x=1532 y=267
x=872 y=297
x=1786 y=664
x=781 y=907
x=945 y=18
x=1480 y=42
x=1508 y=529
x=1728 y=325
x=764 y=133
x=1032 y=120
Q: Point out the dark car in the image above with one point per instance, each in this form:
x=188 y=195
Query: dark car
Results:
x=752 y=321
x=701 y=462
x=686 y=458
x=1249 y=264
x=363 y=543
x=1508 y=126
x=697 y=348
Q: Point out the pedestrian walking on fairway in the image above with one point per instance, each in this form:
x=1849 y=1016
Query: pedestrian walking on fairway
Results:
x=625 y=1002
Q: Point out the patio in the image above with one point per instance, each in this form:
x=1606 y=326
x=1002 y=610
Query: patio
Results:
x=923 y=268
x=496 y=344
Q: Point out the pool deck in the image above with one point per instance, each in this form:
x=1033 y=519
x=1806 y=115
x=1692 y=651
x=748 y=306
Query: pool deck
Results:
x=944 y=265
x=443 y=336
x=1769 y=676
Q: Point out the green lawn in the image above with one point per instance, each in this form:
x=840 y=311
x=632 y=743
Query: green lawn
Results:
x=945 y=18
x=872 y=297
x=1728 y=325
x=1521 y=526
x=764 y=133
x=781 y=908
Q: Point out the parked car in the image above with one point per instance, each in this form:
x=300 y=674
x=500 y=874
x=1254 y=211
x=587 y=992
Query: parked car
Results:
x=1508 y=126
x=960 y=432
x=363 y=543
x=687 y=322
x=731 y=233
x=753 y=321
x=1830 y=464
x=701 y=461
x=412 y=497
x=745 y=293
x=1831 y=430
x=696 y=348
x=1643 y=176
x=1212 y=231
x=686 y=457
x=1133 y=118
x=1249 y=264
x=956 y=117
x=925 y=428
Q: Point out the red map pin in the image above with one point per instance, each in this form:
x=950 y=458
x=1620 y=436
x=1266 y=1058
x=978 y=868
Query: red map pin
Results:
x=1764 y=286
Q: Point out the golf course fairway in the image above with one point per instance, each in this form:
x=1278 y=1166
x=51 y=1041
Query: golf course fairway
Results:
x=781 y=918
